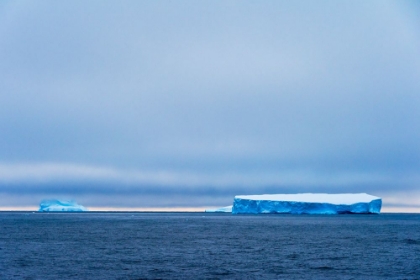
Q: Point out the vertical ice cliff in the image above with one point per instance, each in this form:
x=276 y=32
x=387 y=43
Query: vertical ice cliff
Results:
x=307 y=203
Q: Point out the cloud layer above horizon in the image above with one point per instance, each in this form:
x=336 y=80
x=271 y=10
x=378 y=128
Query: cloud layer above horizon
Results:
x=188 y=103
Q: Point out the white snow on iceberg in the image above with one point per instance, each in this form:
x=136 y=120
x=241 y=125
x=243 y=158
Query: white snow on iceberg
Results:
x=60 y=206
x=307 y=203
x=226 y=209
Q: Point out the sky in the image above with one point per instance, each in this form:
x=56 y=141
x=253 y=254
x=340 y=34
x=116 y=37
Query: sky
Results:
x=189 y=103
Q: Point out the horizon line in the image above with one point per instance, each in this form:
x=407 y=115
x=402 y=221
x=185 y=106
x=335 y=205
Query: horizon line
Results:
x=407 y=210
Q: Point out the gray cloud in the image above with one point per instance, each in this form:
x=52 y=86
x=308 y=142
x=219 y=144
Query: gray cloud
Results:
x=208 y=99
x=101 y=187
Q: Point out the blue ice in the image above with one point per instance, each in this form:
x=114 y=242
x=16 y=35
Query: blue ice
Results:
x=60 y=206
x=307 y=204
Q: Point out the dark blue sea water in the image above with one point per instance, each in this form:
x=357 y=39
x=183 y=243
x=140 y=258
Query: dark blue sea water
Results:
x=208 y=246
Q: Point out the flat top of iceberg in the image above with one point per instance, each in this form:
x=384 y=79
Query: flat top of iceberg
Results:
x=342 y=198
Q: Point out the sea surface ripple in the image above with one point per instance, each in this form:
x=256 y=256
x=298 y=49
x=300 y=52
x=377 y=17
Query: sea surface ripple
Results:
x=208 y=246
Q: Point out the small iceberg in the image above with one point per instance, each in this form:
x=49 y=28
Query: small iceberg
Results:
x=60 y=206
x=226 y=209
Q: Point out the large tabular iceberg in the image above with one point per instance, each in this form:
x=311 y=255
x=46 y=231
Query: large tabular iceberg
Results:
x=60 y=205
x=307 y=203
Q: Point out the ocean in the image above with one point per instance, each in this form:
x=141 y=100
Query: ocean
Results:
x=208 y=246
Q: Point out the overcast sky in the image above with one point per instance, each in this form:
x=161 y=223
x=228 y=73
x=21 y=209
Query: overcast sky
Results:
x=188 y=103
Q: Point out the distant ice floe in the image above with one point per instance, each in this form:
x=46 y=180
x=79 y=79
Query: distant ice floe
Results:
x=226 y=209
x=307 y=203
x=60 y=206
